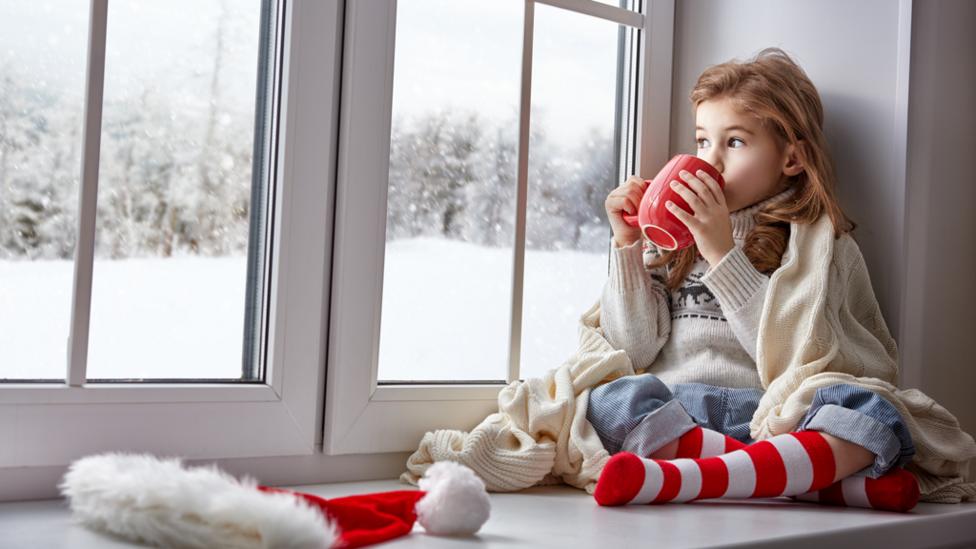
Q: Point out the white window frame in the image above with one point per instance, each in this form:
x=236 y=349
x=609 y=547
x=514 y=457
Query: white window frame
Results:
x=361 y=415
x=46 y=426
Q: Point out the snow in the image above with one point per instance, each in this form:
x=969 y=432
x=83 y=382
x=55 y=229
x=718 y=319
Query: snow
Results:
x=151 y=318
x=446 y=309
x=446 y=313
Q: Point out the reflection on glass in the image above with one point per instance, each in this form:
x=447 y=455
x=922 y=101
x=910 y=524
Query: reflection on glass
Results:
x=174 y=190
x=42 y=65
x=574 y=98
x=451 y=206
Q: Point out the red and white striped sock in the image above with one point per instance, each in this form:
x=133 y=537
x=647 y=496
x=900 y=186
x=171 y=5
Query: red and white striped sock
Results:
x=784 y=465
x=896 y=490
x=700 y=442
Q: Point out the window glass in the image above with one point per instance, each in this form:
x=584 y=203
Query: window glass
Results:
x=571 y=171
x=447 y=286
x=172 y=229
x=42 y=86
x=451 y=209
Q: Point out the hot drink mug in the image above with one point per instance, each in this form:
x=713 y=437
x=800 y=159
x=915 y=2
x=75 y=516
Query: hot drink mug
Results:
x=656 y=222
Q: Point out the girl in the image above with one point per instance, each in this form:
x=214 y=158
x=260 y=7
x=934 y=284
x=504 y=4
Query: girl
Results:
x=681 y=431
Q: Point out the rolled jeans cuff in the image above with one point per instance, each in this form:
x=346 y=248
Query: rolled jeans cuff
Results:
x=658 y=428
x=858 y=428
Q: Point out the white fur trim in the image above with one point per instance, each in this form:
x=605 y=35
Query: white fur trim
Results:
x=149 y=500
x=456 y=501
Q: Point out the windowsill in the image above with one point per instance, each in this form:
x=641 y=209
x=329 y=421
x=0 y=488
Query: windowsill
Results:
x=564 y=516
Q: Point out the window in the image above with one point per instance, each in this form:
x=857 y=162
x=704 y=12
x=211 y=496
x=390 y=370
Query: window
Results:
x=252 y=389
x=470 y=232
x=450 y=220
x=173 y=160
x=300 y=381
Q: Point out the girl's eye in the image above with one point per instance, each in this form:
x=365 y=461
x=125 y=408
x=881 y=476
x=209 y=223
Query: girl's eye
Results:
x=731 y=139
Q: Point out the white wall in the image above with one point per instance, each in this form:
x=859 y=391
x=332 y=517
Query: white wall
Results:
x=880 y=66
x=940 y=289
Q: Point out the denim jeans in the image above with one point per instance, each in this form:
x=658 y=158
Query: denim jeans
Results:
x=640 y=414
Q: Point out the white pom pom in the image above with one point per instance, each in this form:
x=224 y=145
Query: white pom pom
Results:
x=456 y=501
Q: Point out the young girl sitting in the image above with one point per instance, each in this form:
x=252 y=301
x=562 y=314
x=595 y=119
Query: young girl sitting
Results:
x=681 y=431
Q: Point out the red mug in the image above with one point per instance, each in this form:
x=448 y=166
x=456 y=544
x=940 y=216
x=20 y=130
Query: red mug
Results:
x=657 y=223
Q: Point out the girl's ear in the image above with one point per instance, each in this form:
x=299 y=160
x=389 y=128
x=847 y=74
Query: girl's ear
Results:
x=791 y=163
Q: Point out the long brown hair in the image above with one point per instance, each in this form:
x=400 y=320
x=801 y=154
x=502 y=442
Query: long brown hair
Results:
x=774 y=89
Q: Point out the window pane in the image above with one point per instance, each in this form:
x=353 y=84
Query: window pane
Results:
x=451 y=207
x=574 y=90
x=168 y=294
x=42 y=65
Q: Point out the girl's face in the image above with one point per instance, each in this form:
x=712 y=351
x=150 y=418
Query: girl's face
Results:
x=744 y=152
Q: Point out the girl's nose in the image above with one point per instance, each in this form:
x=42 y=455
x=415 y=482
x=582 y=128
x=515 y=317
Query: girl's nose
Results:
x=709 y=157
x=714 y=161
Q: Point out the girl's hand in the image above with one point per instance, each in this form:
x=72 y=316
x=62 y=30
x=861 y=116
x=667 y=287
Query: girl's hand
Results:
x=625 y=199
x=710 y=222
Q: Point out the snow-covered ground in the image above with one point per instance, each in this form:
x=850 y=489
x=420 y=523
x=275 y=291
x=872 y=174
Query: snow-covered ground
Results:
x=447 y=309
x=446 y=313
x=174 y=318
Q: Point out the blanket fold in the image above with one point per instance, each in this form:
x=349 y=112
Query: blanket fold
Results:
x=540 y=434
x=821 y=324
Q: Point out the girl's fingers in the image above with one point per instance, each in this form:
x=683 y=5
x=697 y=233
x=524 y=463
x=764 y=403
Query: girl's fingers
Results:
x=689 y=195
x=632 y=183
x=635 y=189
x=680 y=213
x=713 y=185
x=622 y=193
x=626 y=205
x=635 y=196
x=633 y=205
x=636 y=192
x=703 y=191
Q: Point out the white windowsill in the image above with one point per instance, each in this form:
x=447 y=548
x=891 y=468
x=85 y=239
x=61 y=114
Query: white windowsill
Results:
x=560 y=516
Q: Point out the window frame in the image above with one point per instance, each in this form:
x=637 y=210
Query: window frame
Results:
x=48 y=425
x=362 y=416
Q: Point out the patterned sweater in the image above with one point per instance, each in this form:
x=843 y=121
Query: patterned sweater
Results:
x=703 y=332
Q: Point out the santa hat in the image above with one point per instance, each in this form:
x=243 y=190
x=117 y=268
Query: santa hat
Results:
x=159 y=502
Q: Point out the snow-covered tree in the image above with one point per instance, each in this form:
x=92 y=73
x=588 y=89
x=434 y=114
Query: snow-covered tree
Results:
x=593 y=176
x=455 y=177
x=39 y=169
x=490 y=210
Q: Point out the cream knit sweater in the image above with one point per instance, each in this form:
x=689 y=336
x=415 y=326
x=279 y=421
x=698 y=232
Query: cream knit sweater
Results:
x=704 y=331
x=820 y=324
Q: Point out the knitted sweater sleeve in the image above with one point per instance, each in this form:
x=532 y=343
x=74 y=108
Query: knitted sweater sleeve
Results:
x=741 y=291
x=635 y=308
